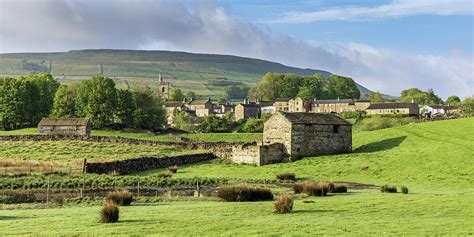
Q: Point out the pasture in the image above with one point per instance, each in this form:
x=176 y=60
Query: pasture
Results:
x=434 y=159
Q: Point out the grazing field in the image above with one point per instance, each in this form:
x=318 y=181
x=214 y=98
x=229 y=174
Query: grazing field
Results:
x=205 y=137
x=434 y=159
x=437 y=154
x=356 y=213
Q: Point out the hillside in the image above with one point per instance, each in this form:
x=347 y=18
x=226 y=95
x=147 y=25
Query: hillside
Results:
x=202 y=73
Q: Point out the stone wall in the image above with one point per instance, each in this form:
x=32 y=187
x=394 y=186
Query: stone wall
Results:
x=144 y=163
x=258 y=154
x=64 y=130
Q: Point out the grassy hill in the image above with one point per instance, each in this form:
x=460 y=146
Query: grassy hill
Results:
x=200 y=73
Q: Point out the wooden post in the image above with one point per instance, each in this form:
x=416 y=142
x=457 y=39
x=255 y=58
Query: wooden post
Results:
x=84 y=166
x=198 y=188
x=47 y=190
x=138 y=195
x=83 y=183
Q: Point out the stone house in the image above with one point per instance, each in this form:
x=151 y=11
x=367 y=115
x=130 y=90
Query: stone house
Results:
x=406 y=109
x=65 y=126
x=282 y=104
x=339 y=105
x=308 y=134
x=267 y=107
x=246 y=111
x=202 y=107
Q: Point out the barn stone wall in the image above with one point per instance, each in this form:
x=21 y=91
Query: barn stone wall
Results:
x=258 y=154
x=64 y=130
x=311 y=140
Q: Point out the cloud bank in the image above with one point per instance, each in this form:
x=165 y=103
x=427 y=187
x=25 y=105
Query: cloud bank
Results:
x=399 y=8
x=56 y=25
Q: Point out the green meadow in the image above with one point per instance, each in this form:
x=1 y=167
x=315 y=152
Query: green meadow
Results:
x=435 y=160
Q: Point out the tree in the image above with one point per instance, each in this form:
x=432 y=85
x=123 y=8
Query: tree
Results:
x=182 y=120
x=376 y=97
x=236 y=92
x=212 y=123
x=64 y=103
x=453 y=100
x=419 y=97
x=467 y=106
x=306 y=93
x=46 y=88
x=190 y=95
x=175 y=95
x=125 y=108
x=149 y=113
x=253 y=125
x=342 y=87
x=96 y=99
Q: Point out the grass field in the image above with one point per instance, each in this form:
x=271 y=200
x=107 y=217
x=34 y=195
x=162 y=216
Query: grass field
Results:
x=205 y=137
x=366 y=212
x=435 y=161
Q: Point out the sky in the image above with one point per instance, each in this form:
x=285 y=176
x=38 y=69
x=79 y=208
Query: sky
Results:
x=386 y=45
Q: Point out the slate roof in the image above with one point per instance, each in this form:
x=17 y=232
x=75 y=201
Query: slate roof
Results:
x=198 y=102
x=282 y=99
x=340 y=101
x=315 y=118
x=64 y=122
x=170 y=104
x=251 y=105
x=392 y=106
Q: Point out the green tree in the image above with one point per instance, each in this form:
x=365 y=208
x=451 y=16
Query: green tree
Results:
x=453 y=100
x=46 y=88
x=376 y=97
x=212 y=123
x=342 y=87
x=175 y=95
x=96 y=99
x=306 y=93
x=419 y=97
x=149 y=113
x=190 y=95
x=125 y=108
x=64 y=103
x=182 y=120
x=236 y=92
x=467 y=106
x=253 y=125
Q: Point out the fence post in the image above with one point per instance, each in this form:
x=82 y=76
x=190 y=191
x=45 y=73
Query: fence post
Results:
x=84 y=170
x=47 y=190
x=138 y=195
x=198 y=188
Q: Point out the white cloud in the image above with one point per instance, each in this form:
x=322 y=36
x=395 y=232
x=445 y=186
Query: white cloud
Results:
x=397 y=8
x=56 y=25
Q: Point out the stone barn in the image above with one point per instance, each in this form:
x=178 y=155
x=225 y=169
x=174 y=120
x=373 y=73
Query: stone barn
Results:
x=65 y=126
x=308 y=134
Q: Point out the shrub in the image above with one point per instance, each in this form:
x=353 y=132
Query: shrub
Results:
x=388 y=189
x=297 y=188
x=173 y=169
x=286 y=176
x=320 y=188
x=376 y=123
x=284 y=204
x=109 y=213
x=340 y=188
x=122 y=198
x=244 y=193
x=404 y=189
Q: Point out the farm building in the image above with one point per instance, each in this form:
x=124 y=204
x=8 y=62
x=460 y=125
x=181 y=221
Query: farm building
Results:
x=308 y=134
x=65 y=126
x=407 y=109
x=438 y=110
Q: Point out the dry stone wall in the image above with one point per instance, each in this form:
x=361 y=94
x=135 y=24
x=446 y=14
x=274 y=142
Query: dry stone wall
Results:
x=144 y=163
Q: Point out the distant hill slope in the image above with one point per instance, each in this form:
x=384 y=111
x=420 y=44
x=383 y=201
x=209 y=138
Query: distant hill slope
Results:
x=203 y=73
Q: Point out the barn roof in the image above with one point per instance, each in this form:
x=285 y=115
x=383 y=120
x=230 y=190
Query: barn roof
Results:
x=199 y=102
x=282 y=99
x=392 y=106
x=315 y=118
x=170 y=104
x=64 y=122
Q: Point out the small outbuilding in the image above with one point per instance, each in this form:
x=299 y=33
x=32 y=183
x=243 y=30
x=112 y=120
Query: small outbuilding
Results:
x=308 y=134
x=65 y=126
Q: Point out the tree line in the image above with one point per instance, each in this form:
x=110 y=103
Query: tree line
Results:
x=25 y=100
x=275 y=85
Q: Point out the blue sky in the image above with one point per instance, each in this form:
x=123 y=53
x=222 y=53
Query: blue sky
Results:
x=428 y=33
x=388 y=45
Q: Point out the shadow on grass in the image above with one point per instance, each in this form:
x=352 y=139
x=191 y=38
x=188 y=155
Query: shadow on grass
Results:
x=383 y=145
x=10 y=218
x=315 y=211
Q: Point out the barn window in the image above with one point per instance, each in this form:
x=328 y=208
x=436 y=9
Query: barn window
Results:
x=162 y=90
x=336 y=128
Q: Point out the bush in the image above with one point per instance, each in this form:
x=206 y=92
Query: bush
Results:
x=404 y=190
x=388 y=189
x=284 y=204
x=109 y=213
x=244 y=193
x=297 y=188
x=340 y=188
x=320 y=188
x=122 y=198
x=376 y=123
x=173 y=169
x=286 y=176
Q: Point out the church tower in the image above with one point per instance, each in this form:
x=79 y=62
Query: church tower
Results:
x=164 y=87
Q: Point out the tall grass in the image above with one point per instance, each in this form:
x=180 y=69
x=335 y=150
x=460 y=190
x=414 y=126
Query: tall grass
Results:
x=244 y=193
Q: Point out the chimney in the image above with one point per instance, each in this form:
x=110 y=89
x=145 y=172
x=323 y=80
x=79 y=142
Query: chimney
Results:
x=257 y=101
x=208 y=98
x=337 y=99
